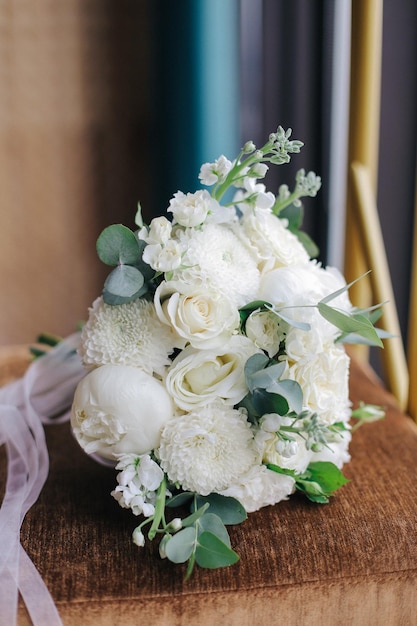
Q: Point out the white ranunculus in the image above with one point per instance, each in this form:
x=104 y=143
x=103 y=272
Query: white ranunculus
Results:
x=126 y=334
x=269 y=237
x=119 y=409
x=159 y=231
x=207 y=449
x=191 y=209
x=260 y=487
x=266 y=330
x=202 y=319
x=324 y=379
x=197 y=377
x=163 y=258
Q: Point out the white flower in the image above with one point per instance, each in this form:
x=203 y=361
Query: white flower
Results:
x=138 y=480
x=138 y=537
x=254 y=195
x=274 y=244
x=197 y=377
x=260 y=487
x=119 y=409
x=203 y=319
x=163 y=258
x=191 y=209
x=337 y=453
x=159 y=231
x=273 y=450
x=324 y=380
x=127 y=334
x=211 y=173
x=266 y=330
x=208 y=449
x=216 y=260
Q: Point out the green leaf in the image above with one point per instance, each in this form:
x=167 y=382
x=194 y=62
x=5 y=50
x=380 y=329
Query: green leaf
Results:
x=180 y=499
x=212 y=523
x=310 y=246
x=355 y=323
x=320 y=481
x=228 y=509
x=294 y=214
x=191 y=519
x=255 y=363
x=125 y=281
x=118 y=244
x=265 y=402
x=291 y=391
x=211 y=552
x=264 y=378
x=181 y=546
x=290 y=321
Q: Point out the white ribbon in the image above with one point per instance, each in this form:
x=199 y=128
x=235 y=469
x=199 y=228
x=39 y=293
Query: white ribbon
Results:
x=43 y=395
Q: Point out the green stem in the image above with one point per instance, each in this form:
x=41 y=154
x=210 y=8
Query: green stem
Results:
x=282 y=204
x=159 y=509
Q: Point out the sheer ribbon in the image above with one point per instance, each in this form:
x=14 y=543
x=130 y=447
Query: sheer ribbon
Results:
x=43 y=395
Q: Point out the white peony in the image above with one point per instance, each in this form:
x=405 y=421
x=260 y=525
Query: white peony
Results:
x=119 y=409
x=274 y=245
x=216 y=260
x=202 y=319
x=208 y=449
x=197 y=377
x=126 y=334
x=138 y=481
x=260 y=487
x=191 y=209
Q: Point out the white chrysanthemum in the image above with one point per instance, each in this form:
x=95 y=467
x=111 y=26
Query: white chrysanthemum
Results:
x=126 y=334
x=207 y=450
x=269 y=236
x=215 y=259
x=260 y=487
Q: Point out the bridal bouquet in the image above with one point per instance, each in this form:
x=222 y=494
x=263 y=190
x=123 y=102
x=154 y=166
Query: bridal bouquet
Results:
x=217 y=376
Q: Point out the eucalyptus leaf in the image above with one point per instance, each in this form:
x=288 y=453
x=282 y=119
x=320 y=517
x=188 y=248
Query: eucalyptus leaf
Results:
x=212 y=523
x=290 y=321
x=228 y=509
x=310 y=246
x=356 y=323
x=291 y=391
x=118 y=244
x=265 y=402
x=191 y=519
x=125 y=281
x=262 y=379
x=255 y=363
x=211 y=552
x=180 y=547
x=180 y=499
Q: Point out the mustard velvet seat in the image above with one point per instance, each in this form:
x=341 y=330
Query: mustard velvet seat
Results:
x=353 y=561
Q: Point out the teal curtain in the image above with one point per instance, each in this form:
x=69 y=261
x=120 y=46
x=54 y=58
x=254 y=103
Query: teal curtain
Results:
x=195 y=73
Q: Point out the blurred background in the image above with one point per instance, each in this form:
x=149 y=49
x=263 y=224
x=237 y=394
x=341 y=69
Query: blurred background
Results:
x=107 y=103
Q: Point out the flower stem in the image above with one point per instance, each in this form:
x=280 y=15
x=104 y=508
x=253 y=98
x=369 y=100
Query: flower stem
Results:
x=159 y=509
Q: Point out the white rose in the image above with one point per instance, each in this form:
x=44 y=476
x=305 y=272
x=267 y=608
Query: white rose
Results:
x=191 y=209
x=205 y=320
x=197 y=377
x=119 y=409
x=324 y=380
x=260 y=487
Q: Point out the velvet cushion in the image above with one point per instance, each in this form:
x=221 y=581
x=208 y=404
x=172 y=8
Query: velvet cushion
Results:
x=353 y=561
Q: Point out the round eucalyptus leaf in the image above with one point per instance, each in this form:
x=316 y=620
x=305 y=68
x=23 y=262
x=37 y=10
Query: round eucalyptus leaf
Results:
x=124 y=281
x=118 y=244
